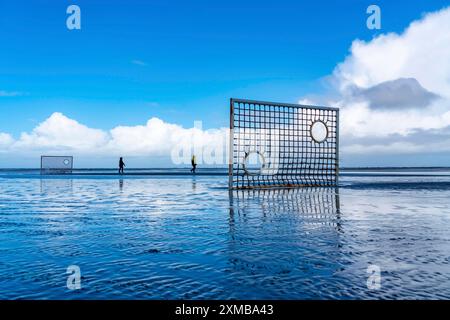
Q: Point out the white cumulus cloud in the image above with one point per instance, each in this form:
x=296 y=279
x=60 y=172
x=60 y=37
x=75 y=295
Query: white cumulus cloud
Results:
x=6 y=140
x=394 y=86
x=61 y=135
x=420 y=52
x=59 y=132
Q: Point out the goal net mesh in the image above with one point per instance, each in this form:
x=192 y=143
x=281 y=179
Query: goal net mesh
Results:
x=282 y=145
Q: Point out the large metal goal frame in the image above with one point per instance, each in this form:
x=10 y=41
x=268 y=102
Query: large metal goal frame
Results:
x=56 y=164
x=281 y=136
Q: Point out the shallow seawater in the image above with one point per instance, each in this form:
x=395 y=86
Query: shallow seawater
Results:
x=183 y=237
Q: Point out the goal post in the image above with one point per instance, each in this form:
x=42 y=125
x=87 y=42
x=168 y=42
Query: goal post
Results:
x=282 y=145
x=56 y=164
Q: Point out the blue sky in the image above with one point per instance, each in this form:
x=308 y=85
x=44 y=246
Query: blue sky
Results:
x=176 y=60
x=197 y=55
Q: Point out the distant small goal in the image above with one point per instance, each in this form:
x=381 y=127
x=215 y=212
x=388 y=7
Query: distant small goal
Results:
x=56 y=164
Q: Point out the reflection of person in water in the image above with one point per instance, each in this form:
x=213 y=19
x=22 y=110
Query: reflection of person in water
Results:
x=194 y=164
x=121 y=165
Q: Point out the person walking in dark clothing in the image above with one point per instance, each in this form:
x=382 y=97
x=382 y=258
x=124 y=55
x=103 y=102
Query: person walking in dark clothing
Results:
x=194 y=164
x=121 y=165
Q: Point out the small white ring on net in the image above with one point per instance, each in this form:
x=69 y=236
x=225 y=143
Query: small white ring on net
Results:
x=251 y=171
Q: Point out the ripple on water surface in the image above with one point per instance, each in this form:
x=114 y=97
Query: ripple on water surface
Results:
x=190 y=238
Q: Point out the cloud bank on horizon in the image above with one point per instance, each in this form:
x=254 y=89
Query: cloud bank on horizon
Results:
x=61 y=135
x=393 y=91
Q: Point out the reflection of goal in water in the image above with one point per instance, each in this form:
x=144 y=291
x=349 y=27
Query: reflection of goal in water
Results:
x=282 y=145
x=56 y=186
x=312 y=205
x=56 y=164
x=284 y=231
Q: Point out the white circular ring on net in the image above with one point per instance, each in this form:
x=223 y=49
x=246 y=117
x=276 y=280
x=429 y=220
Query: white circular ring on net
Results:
x=253 y=171
x=319 y=131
